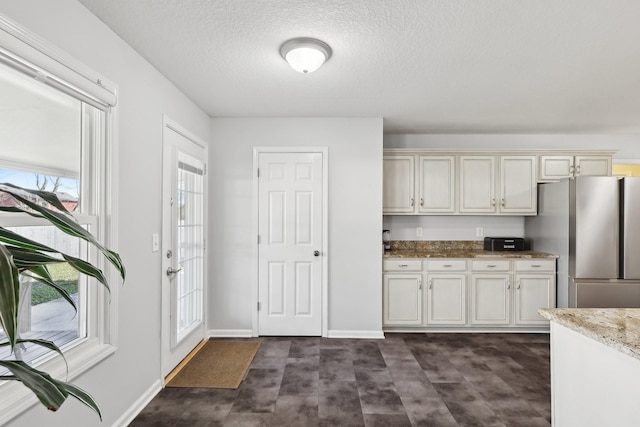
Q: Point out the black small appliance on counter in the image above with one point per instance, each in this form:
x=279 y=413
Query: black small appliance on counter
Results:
x=504 y=244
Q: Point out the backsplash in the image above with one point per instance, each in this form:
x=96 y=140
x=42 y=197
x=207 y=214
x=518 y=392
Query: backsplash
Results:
x=455 y=227
x=436 y=245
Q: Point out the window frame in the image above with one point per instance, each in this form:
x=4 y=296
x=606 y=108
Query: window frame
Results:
x=31 y=54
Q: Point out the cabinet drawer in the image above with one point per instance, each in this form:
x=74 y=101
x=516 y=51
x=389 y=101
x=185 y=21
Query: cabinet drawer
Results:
x=535 y=265
x=447 y=265
x=401 y=265
x=490 y=265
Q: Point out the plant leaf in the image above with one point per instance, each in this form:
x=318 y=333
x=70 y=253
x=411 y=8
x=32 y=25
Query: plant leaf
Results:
x=49 y=282
x=9 y=295
x=47 y=196
x=26 y=260
x=46 y=389
x=66 y=223
x=52 y=393
x=83 y=397
x=43 y=343
x=14 y=239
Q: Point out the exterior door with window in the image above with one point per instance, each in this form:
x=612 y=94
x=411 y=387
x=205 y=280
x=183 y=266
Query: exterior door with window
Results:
x=183 y=267
x=290 y=249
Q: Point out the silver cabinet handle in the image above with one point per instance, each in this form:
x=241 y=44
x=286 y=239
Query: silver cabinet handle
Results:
x=171 y=271
x=493 y=202
x=502 y=203
x=578 y=170
x=421 y=201
x=412 y=202
x=430 y=283
x=447 y=265
x=403 y=265
x=536 y=266
x=508 y=285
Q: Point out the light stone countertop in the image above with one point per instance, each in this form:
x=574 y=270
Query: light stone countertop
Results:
x=453 y=249
x=618 y=328
x=464 y=253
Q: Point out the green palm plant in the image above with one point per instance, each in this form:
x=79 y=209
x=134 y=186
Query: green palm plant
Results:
x=20 y=256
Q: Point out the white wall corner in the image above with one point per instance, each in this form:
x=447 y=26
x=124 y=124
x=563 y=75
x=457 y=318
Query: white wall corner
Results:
x=376 y=335
x=127 y=417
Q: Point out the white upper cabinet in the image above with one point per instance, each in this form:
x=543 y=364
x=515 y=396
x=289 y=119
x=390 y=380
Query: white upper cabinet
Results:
x=398 y=187
x=482 y=182
x=436 y=185
x=593 y=166
x=554 y=168
x=498 y=185
x=518 y=183
x=477 y=184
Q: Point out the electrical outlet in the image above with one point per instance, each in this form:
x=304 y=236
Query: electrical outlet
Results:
x=419 y=231
x=479 y=232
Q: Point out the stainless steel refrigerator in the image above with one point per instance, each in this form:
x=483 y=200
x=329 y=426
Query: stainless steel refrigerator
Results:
x=593 y=225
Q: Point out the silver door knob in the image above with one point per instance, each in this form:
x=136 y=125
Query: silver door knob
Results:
x=171 y=271
x=316 y=253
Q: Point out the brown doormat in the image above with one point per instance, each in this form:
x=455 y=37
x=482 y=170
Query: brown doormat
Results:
x=219 y=364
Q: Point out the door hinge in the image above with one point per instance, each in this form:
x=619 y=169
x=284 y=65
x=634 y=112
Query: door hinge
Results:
x=258 y=239
x=205 y=168
x=258 y=305
x=258 y=172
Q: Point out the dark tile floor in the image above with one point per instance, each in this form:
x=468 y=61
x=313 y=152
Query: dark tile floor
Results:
x=406 y=379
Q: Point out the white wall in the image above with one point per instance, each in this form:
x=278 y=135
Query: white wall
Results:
x=355 y=216
x=144 y=96
x=464 y=227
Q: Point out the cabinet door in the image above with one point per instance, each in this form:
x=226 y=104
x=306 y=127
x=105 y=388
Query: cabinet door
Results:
x=402 y=302
x=518 y=184
x=446 y=299
x=398 y=194
x=477 y=184
x=593 y=166
x=533 y=291
x=437 y=184
x=554 y=168
x=490 y=301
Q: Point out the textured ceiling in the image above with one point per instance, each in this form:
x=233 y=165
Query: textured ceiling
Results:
x=425 y=66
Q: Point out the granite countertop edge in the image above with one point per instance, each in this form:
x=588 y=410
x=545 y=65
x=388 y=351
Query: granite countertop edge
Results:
x=465 y=253
x=618 y=328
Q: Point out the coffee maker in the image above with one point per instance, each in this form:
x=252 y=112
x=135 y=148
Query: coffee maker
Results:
x=386 y=240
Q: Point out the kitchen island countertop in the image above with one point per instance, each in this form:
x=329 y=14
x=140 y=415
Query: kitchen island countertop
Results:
x=618 y=328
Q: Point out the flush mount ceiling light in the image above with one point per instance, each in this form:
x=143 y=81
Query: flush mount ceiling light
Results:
x=305 y=54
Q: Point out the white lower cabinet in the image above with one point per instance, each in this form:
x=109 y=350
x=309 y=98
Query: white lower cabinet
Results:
x=446 y=299
x=475 y=293
x=402 y=302
x=535 y=287
x=402 y=292
x=490 y=299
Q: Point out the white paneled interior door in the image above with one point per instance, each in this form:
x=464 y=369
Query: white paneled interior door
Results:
x=290 y=246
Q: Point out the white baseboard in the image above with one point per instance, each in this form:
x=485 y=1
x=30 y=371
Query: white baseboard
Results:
x=231 y=333
x=377 y=335
x=128 y=416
